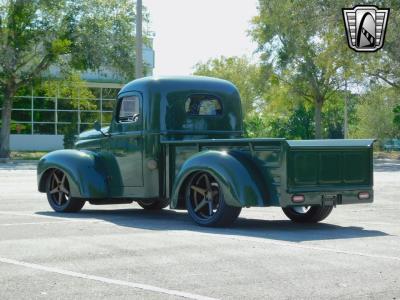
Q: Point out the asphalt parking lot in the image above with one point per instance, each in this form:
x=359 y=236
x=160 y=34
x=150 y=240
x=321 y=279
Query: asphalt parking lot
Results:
x=125 y=252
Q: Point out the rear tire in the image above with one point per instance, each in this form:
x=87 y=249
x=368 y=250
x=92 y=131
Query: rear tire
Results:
x=58 y=193
x=155 y=204
x=205 y=202
x=307 y=214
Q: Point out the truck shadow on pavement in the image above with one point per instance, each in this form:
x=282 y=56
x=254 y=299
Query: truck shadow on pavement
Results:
x=170 y=220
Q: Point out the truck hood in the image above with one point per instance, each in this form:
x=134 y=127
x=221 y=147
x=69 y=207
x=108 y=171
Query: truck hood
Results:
x=92 y=134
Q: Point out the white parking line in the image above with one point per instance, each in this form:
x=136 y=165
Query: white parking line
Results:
x=39 y=223
x=266 y=240
x=32 y=214
x=62 y=219
x=135 y=285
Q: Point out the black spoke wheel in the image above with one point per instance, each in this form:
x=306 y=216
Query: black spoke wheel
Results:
x=307 y=214
x=205 y=202
x=59 y=195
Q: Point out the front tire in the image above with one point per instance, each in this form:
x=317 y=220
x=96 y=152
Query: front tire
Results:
x=205 y=202
x=58 y=193
x=155 y=204
x=307 y=214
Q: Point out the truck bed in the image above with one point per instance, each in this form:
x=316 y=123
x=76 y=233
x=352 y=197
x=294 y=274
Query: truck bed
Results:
x=317 y=168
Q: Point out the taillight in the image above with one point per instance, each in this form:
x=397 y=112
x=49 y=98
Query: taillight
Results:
x=298 y=198
x=363 y=195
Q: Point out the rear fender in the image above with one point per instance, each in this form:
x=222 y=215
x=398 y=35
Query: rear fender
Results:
x=87 y=172
x=242 y=182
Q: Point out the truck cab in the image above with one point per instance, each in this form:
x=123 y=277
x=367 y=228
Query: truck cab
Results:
x=152 y=110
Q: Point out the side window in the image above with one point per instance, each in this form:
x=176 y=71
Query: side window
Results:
x=129 y=110
x=203 y=105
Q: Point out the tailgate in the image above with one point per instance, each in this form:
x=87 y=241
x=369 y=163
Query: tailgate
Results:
x=322 y=165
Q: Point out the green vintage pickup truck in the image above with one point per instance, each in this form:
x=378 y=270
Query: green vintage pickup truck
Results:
x=178 y=141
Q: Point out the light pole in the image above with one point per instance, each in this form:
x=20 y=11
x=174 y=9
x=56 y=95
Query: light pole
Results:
x=139 y=41
x=346 y=103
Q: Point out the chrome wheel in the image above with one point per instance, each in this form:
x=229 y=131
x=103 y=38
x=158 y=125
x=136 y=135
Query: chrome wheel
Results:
x=205 y=196
x=59 y=188
x=307 y=214
x=59 y=193
x=301 y=209
x=205 y=201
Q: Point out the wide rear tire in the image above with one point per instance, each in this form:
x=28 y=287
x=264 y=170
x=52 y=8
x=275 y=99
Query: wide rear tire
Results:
x=205 y=202
x=307 y=214
x=58 y=193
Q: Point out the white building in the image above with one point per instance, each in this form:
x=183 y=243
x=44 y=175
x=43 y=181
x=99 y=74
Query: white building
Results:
x=42 y=119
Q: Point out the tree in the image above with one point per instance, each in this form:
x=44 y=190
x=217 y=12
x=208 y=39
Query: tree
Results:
x=73 y=88
x=375 y=114
x=255 y=126
x=36 y=34
x=241 y=72
x=70 y=86
x=384 y=65
x=304 y=43
x=280 y=113
x=296 y=124
x=396 y=120
x=102 y=33
x=29 y=43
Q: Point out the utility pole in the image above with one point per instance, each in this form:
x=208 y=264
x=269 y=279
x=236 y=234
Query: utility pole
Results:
x=139 y=41
x=346 y=126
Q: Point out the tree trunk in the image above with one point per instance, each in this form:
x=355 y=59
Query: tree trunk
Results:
x=317 y=118
x=9 y=92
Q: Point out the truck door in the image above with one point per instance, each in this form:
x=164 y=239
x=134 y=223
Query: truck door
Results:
x=126 y=141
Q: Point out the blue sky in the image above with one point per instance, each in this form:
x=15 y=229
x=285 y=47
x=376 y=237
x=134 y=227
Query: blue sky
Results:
x=189 y=31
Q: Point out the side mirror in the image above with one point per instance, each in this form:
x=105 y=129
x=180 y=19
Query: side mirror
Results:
x=97 y=126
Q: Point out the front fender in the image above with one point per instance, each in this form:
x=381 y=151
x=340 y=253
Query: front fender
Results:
x=241 y=180
x=85 y=170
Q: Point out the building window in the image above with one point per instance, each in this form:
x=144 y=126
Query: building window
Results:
x=203 y=105
x=64 y=109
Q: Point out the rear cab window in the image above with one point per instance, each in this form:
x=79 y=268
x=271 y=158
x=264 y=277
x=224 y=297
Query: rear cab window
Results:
x=203 y=105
